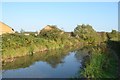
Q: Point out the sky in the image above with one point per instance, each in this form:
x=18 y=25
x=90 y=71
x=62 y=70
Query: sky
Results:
x=60 y=0
x=33 y=16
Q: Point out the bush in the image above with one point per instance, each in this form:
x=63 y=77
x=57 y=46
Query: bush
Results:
x=101 y=65
x=87 y=33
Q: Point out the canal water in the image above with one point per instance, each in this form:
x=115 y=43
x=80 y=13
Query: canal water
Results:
x=61 y=63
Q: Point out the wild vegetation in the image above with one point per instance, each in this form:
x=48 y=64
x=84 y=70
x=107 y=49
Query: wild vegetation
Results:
x=102 y=63
x=18 y=44
x=87 y=33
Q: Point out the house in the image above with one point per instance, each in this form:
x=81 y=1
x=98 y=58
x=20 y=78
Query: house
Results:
x=51 y=28
x=48 y=27
x=5 y=29
x=28 y=33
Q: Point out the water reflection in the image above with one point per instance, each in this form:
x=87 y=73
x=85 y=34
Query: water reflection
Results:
x=52 y=57
x=60 y=63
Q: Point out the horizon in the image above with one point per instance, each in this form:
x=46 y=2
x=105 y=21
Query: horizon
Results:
x=57 y=27
x=33 y=16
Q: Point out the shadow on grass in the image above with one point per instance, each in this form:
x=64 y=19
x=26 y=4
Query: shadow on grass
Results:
x=115 y=46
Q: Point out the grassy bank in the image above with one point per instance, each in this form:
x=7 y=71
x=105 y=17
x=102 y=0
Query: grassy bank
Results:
x=17 y=45
x=49 y=38
x=103 y=61
x=101 y=64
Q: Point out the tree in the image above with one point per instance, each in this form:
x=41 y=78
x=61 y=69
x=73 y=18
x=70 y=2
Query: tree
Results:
x=22 y=31
x=114 y=32
x=113 y=35
x=87 y=33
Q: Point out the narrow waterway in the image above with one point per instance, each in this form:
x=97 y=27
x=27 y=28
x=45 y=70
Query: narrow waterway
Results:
x=51 y=64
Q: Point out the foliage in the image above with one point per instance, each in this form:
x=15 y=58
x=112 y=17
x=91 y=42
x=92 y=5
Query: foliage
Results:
x=53 y=34
x=87 y=33
x=114 y=45
x=101 y=65
x=103 y=36
x=114 y=35
x=18 y=44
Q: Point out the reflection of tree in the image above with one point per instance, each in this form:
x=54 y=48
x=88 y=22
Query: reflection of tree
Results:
x=52 y=57
x=84 y=55
x=81 y=53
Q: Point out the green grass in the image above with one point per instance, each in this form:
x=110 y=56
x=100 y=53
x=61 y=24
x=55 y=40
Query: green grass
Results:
x=16 y=45
x=101 y=65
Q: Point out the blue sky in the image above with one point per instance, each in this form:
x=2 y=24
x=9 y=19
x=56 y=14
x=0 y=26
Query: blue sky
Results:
x=33 y=16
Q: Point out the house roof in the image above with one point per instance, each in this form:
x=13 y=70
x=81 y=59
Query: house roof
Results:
x=5 y=29
x=1 y=23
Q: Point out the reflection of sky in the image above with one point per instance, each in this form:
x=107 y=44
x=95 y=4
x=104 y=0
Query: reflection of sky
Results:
x=41 y=69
